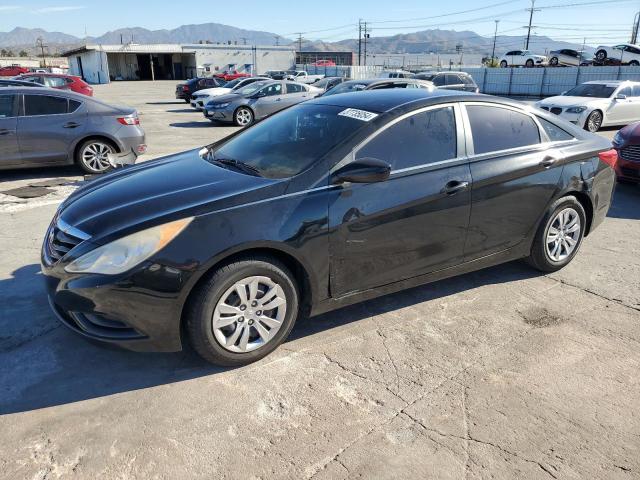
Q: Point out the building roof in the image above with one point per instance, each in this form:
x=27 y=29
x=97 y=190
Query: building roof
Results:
x=168 y=48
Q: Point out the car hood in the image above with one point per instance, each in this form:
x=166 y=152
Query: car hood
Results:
x=211 y=91
x=567 y=101
x=228 y=97
x=154 y=192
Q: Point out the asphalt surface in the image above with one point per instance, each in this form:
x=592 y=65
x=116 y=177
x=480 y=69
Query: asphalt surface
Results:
x=503 y=373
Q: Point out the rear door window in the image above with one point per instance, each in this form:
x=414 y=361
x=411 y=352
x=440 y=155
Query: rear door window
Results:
x=54 y=82
x=7 y=106
x=44 y=105
x=438 y=80
x=453 y=79
x=420 y=139
x=294 y=88
x=273 y=89
x=496 y=128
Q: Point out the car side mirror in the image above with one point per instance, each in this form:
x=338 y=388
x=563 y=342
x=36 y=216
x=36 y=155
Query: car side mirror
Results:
x=363 y=170
x=621 y=96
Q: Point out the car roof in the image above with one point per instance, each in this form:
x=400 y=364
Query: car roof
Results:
x=390 y=99
x=608 y=82
x=46 y=90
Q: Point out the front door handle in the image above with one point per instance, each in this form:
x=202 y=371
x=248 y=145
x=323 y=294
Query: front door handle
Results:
x=455 y=186
x=71 y=125
x=548 y=161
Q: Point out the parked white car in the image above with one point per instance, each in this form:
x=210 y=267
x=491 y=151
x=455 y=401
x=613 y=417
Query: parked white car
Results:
x=302 y=76
x=201 y=97
x=624 y=53
x=596 y=104
x=565 y=57
x=522 y=58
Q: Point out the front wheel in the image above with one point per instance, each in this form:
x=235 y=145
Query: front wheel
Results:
x=634 y=63
x=601 y=55
x=594 y=121
x=243 y=311
x=92 y=156
x=559 y=236
x=503 y=64
x=243 y=117
x=553 y=61
x=529 y=63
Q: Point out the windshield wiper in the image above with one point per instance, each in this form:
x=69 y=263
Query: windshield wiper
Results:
x=242 y=166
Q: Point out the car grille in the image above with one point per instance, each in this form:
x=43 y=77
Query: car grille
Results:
x=630 y=153
x=61 y=239
x=630 y=172
x=556 y=110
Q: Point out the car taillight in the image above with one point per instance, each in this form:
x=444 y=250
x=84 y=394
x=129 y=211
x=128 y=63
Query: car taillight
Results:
x=185 y=88
x=133 y=120
x=610 y=157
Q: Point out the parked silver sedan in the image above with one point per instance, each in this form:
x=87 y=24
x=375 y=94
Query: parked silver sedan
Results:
x=44 y=127
x=257 y=100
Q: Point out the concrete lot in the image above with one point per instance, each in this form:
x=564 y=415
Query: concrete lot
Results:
x=503 y=373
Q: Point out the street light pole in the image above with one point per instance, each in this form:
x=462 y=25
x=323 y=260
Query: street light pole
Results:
x=495 y=35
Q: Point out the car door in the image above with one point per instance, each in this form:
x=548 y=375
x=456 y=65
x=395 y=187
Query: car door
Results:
x=270 y=100
x=48 y=126
x=413 y=223
x=9 y=149
x=294 y=93
x=515 y=173
x=623 y=110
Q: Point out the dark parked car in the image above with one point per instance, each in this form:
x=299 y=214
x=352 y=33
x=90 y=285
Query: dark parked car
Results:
x=378 y=84
x=627 y=144
x=275 y=74
x=460 y=81
x=44 y=127
x=185 y=90
x=327 y=203
x=328 y=83
x=18 y=83
x=59 y=81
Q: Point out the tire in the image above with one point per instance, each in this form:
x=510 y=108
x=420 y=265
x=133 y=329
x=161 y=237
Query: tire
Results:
x=529 y=63
x=634 y=63
x=593 y=122
x=222 y=288
x=601 y=55
x=91 y=156
x=553 y=61
x=543 y=255
x=186 y=100
x=503 y=64
x=243 y=117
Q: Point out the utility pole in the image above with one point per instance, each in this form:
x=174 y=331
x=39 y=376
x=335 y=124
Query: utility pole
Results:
x=636 y=26
x=277 y=40
x=366 y=37
x=531 y=10
x=40 y=43
x=359 y=41
x=495 y=35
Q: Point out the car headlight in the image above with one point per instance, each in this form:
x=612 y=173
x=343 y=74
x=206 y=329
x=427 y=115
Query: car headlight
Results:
x=576 y=109
x=218 y=105
x=127 y=252
x=617 y=139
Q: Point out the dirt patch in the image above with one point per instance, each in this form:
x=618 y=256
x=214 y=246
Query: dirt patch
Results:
x=540 y=318
x=28 y=192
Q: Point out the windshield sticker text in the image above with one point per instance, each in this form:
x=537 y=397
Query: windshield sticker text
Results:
x=358 y=114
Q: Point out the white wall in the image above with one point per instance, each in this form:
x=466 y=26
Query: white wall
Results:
x=94 y=65
x=242 y=58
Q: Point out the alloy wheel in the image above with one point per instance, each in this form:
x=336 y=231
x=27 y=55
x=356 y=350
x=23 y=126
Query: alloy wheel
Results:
x=95 y=156
x=594 y=121
x=244 y=117
x=249 y=314
x=563 y=234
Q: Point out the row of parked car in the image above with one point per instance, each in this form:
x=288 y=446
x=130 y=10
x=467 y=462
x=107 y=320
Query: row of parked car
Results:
x=623 y=54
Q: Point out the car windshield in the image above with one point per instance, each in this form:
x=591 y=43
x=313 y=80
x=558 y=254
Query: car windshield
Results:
x=596 y=90
x=232 y=83
x=250 y=89
x=346 y=87
x=289 y=142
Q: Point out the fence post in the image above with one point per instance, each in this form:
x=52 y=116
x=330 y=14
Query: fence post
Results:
x=544 y=72
x=484 y=78
x=510 y=78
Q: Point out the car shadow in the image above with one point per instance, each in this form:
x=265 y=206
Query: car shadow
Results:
x=175 y=102
x=625 y=202
x=42 y=364
x=40 y=173
x=183 y=110
x=203 y=124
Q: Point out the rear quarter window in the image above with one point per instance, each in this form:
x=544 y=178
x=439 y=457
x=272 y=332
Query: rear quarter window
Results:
x=496 y=128
x=555 y=133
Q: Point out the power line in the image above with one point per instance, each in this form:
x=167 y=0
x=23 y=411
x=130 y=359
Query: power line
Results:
x=446 y=14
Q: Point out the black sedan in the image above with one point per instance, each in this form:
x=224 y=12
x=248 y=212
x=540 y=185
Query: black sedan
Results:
x=331 y=202
x=185 y=90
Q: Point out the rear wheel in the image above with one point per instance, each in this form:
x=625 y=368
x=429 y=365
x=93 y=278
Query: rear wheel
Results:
x=243 y=117
x=559 y=236
x=594 y=121
x=503 y=64
x=601 y=55
x=553 y=61
x=92 y=156
x=634 y=63
x=243 y=312
x=529 y=63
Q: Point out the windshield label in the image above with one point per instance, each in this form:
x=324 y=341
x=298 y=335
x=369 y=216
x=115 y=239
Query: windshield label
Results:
x=358 y=114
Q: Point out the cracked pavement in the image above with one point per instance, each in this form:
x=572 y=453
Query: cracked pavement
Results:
x=502 y=373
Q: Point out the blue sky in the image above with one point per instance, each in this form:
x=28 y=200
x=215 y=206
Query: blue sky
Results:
x=604 y=22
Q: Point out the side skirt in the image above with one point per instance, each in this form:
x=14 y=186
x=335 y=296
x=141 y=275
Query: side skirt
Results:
x=519 y=251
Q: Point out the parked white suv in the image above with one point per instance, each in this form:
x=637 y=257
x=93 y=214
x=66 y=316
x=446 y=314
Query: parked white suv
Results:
x=522 y=58
x=624 y=53
x=596 y=104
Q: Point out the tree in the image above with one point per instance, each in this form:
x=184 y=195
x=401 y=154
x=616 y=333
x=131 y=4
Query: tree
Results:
x=10 y=53
x=3 y=53
x=23 y=53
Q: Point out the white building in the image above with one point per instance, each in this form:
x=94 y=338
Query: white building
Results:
x=104 y=63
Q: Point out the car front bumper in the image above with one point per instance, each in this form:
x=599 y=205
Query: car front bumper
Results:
x=578 y=119
x=627 y=170
x=218 y=115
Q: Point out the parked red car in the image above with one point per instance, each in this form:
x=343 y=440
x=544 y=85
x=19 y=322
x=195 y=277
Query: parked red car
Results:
x=60 y=81
x=228 y=76
x=12 y=71
x=627 y=144
x=324 y=63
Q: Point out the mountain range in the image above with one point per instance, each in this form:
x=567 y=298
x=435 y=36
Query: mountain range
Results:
x=435 y=40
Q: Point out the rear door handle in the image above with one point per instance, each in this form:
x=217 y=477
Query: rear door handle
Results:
x=548 y=161
x=455 y=186
x=71 y=125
